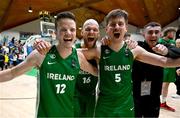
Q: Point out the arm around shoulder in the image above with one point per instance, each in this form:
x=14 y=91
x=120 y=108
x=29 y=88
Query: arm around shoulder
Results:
x=142 y=55
x=85 y=65
x=93 y=53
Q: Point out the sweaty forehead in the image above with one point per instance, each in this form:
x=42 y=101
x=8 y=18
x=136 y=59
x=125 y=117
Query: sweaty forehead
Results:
x=117 y=18
x=66 y=22
x=153 y=28
x=90 y=26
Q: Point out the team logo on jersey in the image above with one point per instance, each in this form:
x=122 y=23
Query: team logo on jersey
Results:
x=107 y=51
x=172 y=44
x=50 y=63
x=52 y=56
x=131 y=108
x=73 y=63
x=105 y=57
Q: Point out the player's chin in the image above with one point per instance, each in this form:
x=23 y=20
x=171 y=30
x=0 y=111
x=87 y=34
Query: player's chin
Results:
x=69 y=43
x=154 y=42
x=91 y=45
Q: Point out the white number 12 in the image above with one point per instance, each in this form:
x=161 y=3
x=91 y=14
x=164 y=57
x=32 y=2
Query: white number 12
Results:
x=60 y=88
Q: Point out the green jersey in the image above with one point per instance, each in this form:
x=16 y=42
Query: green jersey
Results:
x=85 y=91
x=115 y=97
x=57 y=84
x=78 y=45
x=86 y=82
x=169 y=41
x=169 y=73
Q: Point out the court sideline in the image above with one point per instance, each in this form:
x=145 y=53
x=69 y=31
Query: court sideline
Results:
x=18 y=99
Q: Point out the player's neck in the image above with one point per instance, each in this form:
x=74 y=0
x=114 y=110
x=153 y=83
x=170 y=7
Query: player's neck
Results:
x=64 y=51
x=116 y=46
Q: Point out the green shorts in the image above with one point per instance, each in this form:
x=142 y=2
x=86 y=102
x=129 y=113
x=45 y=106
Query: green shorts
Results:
x=84 y=105
x=169 y=75
x=114 y=107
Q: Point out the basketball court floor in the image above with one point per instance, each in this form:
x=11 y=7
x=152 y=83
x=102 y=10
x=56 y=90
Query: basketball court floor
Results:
x=18 y=99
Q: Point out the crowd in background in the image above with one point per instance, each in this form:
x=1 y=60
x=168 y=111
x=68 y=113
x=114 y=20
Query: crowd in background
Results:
x=11 y=53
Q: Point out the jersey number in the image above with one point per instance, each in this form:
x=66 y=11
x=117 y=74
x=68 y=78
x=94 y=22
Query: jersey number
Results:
x=117 y=77
x=86 y=80
x=60 y=88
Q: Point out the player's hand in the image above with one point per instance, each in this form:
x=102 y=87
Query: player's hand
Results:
x=178 y=72
x=42 y=46
x=105 y=40
x=131 y=44
x=160 y=49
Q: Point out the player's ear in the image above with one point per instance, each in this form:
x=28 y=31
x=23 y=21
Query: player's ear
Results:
x=126 y=28
x=142 y=33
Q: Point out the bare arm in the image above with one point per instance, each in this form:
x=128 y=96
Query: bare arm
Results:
x=142 y=55
x=33 y=60
x=85 y=65
x=93 y=53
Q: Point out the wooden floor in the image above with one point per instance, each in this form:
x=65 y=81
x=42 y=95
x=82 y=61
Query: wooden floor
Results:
x=18 y=99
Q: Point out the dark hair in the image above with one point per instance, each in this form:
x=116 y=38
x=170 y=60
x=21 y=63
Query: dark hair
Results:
x=63 y=15
x=116 y=13
x=152 y=24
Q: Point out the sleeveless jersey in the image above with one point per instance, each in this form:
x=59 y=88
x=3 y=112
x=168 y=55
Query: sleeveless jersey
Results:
x=115 y=97
x=85 y=91
x=170 y=41
x=169 y=73
x=57 y=84
x=86 y=82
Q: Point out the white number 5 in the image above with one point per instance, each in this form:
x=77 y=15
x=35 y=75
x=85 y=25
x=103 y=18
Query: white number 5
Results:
x=117 y=77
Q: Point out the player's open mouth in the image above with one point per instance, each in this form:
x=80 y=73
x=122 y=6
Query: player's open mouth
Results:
x=68 y=39
x=90 y=39
x=116 y=34
x=154 y=40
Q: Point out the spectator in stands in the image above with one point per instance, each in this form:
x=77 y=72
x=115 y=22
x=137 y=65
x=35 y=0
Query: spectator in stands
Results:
x=6 y=60
x=1 y=59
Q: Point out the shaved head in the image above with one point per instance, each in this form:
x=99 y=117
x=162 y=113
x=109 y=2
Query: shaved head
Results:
x=90 y=22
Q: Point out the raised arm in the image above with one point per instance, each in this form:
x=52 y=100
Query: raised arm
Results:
x=85 y=65
x=33 y=60
x=142 y=55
